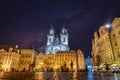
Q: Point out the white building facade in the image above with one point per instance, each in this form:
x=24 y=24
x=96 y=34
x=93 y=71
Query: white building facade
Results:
x=57 y=42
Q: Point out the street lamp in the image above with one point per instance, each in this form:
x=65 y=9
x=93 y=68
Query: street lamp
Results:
x=108 y=26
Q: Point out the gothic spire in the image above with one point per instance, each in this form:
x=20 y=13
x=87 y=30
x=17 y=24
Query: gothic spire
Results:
x=64 y=30
x=51 y=30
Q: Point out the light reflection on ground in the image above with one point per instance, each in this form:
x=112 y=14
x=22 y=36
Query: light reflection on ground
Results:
x=59 y=76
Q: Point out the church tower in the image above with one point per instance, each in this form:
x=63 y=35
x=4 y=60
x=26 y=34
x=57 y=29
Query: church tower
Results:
x=50 y=36
x=64 y=36
x=55 y=42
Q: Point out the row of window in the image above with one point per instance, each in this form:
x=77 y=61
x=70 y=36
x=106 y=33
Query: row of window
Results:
x=9 y=62
x=15 y=62
x=59 y=56
x=9 y=55
x=26 y=56
x=25 y=62
x=67 y=55
x=52 y=63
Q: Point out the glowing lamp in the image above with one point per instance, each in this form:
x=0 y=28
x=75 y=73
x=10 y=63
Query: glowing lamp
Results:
x=107 y=25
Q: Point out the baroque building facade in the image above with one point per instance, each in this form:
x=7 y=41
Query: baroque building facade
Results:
x=14 y=59
x=26 y=60
x=106 y=46
x=61 y=61
x=9 y=59
x=57 y=42
x=115 y=40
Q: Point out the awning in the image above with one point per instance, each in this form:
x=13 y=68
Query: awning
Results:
x=102 y=65
x=113 y=65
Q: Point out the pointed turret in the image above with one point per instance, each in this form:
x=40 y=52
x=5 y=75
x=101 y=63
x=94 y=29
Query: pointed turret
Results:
x=51 y=32
x=50 y=36
x=64 y=30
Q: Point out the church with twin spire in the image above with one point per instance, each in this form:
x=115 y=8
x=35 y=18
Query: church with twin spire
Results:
x=57 y=42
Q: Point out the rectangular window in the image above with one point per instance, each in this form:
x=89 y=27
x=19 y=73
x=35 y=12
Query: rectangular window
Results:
x=116 y=43
x=63 y=39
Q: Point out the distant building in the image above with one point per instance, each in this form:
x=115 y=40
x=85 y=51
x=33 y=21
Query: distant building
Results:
x=56 y=42
x=89 y=63
x=61 y=61
x=9 y=59
x=106 y=46
x=14 y=59
x=26 y=60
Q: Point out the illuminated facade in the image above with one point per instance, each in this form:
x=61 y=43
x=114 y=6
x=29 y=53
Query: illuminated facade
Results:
x=9 y=59
x=61 y=61
x=55 y=42
x=95 y=50
x=105 y=48
x=26 y=60
x=115 y=39
x=106 y=45
x=14 y=59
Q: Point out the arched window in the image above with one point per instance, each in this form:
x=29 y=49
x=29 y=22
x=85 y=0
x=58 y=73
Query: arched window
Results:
x=50 y=40
x=116 y=44
x=63 y=39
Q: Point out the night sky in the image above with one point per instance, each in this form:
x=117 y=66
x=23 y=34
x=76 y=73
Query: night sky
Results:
x=26 y=22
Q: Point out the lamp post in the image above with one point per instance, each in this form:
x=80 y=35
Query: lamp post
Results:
x=108 y=26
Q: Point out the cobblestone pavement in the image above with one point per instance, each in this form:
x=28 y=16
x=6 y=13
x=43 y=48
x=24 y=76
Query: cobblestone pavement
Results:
x=58 y=76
